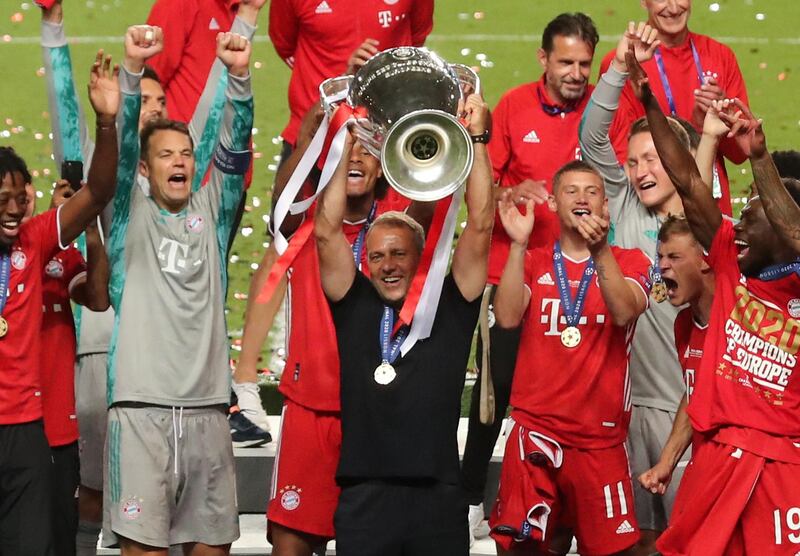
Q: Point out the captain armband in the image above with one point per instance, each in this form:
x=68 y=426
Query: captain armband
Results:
x=232 y=162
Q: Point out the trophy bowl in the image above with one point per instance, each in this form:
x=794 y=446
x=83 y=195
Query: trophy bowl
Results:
x=411 y=96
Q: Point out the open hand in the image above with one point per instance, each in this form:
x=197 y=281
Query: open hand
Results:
x=518 y=226
x=708 y=92
x=530 y=190
x=745 y=128
x=644 y=40
x=104 y=87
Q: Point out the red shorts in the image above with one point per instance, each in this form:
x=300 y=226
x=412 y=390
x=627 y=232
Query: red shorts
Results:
x=304 y=492
x=734 y=502
x=590 y=494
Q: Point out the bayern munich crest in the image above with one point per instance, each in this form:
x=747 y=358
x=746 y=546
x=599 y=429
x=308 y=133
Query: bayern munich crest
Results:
x=290 y=497
x=794 y=308
x=18 y=260
x=194 y=223
x=54 y=268
x=131 y=508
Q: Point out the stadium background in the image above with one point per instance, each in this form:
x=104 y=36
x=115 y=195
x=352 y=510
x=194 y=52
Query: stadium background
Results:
x=500 y=37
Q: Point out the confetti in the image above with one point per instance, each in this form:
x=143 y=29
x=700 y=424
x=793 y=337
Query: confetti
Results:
x=247 y=231
x=272 y=167
x=257 y=155
x=9 y=121
x=256 y=202
x=714 y=7
x=463 y=16
x=17 y=18
x=255 y=131
x=782 y=76
x=762 y=65
x=6 y=38
x=25 y=6
x=240 y=296
x=257 y=65
x=480 y=57
x=265 y=218
x=46 y=171
x=234 y=259
x=39 y=194
x=760 y=17
x=254 y=266
x=465 y=51
x=40 y=72
x=38 y=136
x=478 y=15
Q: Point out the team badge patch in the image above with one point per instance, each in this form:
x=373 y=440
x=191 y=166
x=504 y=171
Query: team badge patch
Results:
x=794 y=308
x=54 y=269
x=18 y=260
x=131 y=508
x=194 y=223
x=290 y=497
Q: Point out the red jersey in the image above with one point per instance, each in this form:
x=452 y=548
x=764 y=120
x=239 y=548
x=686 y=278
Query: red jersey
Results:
x=682 y=74
x=689 y=339
x=58 y=334
x=745 y=390
x=20 y=378
x=316 y=38
x=530 y=142
x=190 y=48
x=579 y=396
x=311 y=375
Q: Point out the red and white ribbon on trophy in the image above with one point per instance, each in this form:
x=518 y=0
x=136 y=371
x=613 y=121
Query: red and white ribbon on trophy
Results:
x=419 y=308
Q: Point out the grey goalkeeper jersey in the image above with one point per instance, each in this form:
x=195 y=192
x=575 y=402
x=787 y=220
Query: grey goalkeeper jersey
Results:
x=71 y=141
x=169 y=345
x=656 y=378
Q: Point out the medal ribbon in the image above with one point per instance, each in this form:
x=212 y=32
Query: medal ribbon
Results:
x=780 y=270
x=656 y=268
x=572 y=311
x=554 y=109
x=358 y=244
x=5 y=277
x=390 y=348
x=662 y=72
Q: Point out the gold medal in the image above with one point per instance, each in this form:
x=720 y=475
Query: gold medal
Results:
x=571 y=336
x=384 y=374
x=659 y=292
x=3 y=327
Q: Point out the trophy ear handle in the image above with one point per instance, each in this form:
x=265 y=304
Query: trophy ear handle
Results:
x=468 y=79
x=333 y=91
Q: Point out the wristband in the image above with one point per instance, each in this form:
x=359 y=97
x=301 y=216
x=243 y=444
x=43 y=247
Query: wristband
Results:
x=231 y=162
x=482 y=138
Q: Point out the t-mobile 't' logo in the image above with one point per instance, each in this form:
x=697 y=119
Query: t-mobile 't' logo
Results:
x=385 y=18
x=168 y=251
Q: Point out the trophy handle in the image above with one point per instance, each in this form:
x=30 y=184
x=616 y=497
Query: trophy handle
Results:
x=333 y=91
x=468 y=79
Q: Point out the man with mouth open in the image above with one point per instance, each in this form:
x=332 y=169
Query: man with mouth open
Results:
x=304 y=492
x=564 y=472
x=641 y=196
x=398 y=468
x=687 y=73
x=25 y=248
x=741 y=493
x=689 y=281
x=169 y=469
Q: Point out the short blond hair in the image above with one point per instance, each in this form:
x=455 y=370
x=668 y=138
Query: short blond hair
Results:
x=397 y=219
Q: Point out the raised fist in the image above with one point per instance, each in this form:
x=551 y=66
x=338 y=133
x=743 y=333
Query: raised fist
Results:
x=142 y=42
x=234 y=51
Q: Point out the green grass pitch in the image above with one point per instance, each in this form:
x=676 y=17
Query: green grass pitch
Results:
x=499 y=35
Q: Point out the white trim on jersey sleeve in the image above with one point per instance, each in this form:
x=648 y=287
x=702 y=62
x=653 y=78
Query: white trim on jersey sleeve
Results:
x=644 y=293
x=58 y=228
x=78 y=278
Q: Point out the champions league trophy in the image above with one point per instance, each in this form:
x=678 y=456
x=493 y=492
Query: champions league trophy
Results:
x=411 y=96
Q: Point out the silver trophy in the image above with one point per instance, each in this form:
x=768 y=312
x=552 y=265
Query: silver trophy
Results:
x=411 y=97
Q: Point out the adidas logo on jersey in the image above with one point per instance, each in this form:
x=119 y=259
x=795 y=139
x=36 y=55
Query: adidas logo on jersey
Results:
x=531 y=137
x=213 y=25
x=625 y=527
x=546 y=280
x=323 y=8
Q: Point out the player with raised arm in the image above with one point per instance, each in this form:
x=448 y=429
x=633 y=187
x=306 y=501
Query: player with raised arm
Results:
x=689 y=281
x=742 y=494
x=578 y=300
x=169 y=473
x=399 y=460
x=25 y=497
